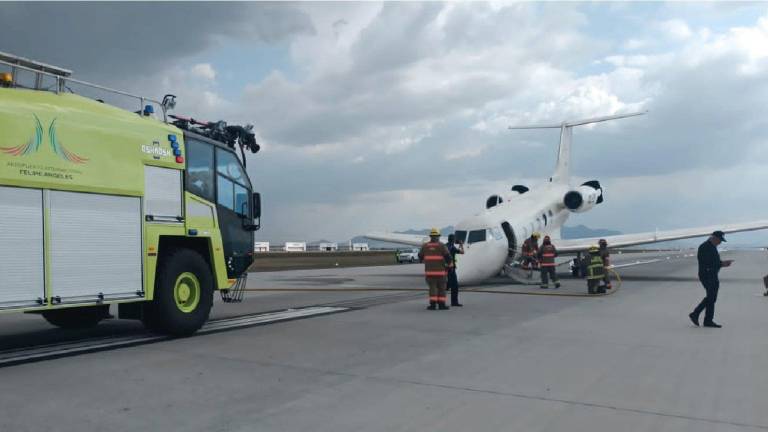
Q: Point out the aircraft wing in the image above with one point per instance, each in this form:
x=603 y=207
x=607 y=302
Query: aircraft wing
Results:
x=406 y=239
x=624 y=240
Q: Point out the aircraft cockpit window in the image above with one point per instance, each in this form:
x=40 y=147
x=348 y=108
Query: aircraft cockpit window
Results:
x=461 y=236
x=476 y=236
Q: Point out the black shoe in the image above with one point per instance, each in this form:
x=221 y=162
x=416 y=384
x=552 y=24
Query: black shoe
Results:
x=442 y=306
x=712 y=325
x=457 y=304
x=432 y=307
x=557 y=286
x=694 y=318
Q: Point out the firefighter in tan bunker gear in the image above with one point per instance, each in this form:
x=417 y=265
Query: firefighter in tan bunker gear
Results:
x=547 y=254
x=436 y=259
x=529 y=251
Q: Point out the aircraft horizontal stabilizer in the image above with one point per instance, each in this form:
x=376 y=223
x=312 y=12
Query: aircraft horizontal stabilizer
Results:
x=624 y=240
x=579 y=122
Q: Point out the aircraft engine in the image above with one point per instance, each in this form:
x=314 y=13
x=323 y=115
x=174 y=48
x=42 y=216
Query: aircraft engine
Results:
x=584 y=197
x=493 y=201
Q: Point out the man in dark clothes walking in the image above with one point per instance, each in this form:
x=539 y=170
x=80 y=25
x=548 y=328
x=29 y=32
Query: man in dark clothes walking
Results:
x=709 y=267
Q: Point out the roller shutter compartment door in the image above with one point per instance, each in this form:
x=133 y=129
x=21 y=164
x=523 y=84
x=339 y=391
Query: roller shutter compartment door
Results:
x=95 y=246
x=22 y=273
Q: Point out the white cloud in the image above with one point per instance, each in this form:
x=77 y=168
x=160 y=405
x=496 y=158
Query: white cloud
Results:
x=635 y=44
x=204 y=71
x=676 y=28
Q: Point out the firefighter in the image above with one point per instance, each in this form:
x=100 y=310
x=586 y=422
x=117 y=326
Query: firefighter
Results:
x=606 y=256
x=595 y=271
x=454 y=247
x=436 y=259
x=546 y=256
x=529 y=251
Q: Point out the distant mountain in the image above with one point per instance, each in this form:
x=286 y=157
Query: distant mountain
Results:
x=425 y=231
x=581 y=231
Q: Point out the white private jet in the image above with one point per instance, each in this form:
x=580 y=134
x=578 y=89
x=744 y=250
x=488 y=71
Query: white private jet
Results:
x=493 y=237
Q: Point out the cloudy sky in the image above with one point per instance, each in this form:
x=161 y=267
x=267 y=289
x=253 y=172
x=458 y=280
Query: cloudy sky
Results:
x=393 y=115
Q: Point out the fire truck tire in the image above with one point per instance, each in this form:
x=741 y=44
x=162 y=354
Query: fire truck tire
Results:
x=183 y=295
x=76 y=318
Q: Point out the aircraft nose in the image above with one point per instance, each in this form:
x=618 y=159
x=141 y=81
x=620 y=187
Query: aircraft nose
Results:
x=480 y=261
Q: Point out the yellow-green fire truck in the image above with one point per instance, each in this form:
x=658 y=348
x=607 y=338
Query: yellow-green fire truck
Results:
x=102 y=206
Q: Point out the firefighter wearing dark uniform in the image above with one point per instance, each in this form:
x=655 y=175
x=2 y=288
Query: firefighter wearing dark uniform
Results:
x=529 y=251
x=606 y=256
x=436 y=260
x=546 y=256
x=595 y=271
x=453 y=280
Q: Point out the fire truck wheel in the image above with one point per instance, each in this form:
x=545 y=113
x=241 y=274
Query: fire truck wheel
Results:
x=78 y=317
x=183 y=294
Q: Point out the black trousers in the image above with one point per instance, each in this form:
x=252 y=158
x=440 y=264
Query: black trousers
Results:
x=712 y=286
x=453 y=286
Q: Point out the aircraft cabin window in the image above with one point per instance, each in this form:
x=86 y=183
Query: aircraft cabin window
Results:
x=476 y=236
x=461 y=236
x=545 y=219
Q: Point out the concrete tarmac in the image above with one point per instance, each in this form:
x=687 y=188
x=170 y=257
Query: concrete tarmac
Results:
x=504 y=362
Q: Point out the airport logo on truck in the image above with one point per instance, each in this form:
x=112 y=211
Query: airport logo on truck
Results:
x=34 y=144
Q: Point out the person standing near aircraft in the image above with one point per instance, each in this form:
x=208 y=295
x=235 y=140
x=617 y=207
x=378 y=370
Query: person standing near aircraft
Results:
x=709 y=267
x=595 y=271
x=453 y=280
x=529 y=251
x=546 y=256
x=436 y=259
x=606 y=256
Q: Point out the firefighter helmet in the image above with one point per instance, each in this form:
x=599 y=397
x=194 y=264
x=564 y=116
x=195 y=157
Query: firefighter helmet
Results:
x=594 y=249
x=434 y=233
x=536 y=235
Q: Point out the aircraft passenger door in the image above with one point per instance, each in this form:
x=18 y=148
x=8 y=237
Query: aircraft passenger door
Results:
x=511 y=241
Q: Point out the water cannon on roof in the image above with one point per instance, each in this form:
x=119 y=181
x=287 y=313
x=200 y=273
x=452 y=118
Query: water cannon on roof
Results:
x=234 y=136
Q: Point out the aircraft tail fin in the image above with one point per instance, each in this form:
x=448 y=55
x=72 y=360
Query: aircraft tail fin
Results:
x=562 y=169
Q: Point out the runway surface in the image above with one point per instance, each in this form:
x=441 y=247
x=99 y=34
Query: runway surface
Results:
x=504 y=362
